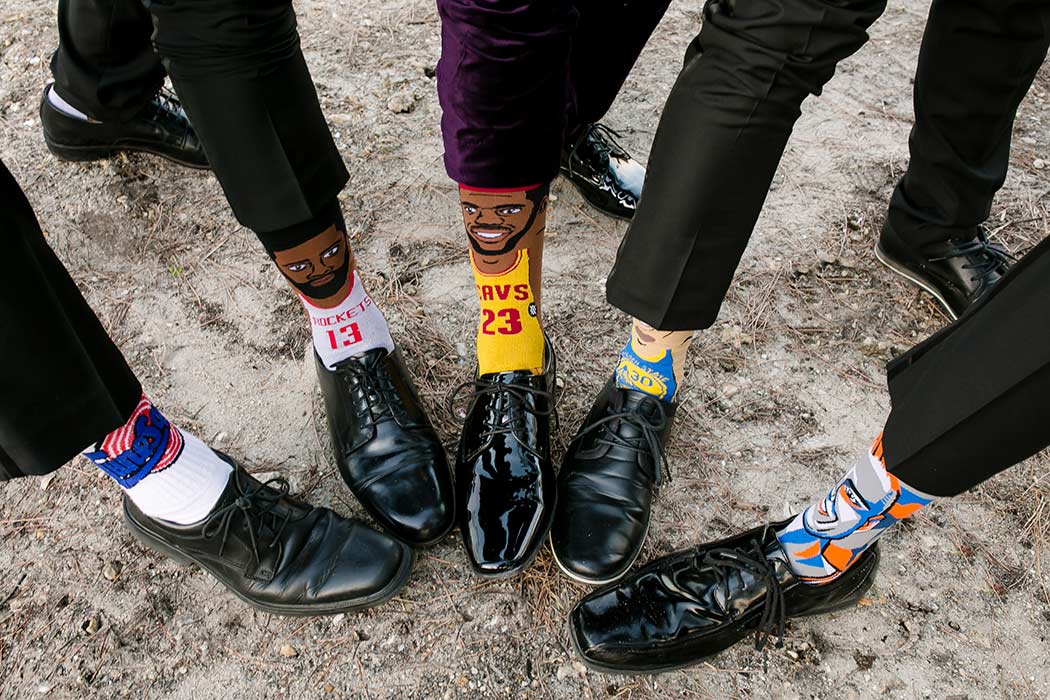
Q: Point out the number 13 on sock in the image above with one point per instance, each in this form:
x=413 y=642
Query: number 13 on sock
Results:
x=344 y=336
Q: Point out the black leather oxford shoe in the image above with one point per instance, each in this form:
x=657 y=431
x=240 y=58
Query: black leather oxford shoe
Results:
x=604 y=173
x=386 y=447
x=280 y=555
x=505 y=487
x=162 y=129
x=957 y=272
x=688 y=606
x=607 y=483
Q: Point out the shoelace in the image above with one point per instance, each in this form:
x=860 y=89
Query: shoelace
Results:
x=376 y=386
x=493 y=424
x=727 y=561
x=165 y=102
x=255 y=504
x=650 y=435
x=604 y=143
x=993 y=257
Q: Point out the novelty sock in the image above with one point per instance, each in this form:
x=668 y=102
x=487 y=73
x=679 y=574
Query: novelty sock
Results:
x=505 y=229
x=169 y=474
x=56 y=101
x=316 y=259
x=653 y=361
x=827 y=537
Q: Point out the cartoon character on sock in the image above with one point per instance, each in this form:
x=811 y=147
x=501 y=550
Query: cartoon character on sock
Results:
x=505 y=230
x=827 y=537
x=652 y=361
x=319 y=268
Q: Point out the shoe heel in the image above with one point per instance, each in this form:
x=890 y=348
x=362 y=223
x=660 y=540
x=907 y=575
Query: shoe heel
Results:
x=151 y=542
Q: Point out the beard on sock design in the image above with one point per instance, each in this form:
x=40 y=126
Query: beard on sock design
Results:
x=319 y=268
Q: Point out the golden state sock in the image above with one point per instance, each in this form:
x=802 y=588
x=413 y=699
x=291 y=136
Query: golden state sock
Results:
x=653 y=361
x=505 y=230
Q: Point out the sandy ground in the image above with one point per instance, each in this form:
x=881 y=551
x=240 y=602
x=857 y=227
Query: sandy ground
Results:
x=781 y=394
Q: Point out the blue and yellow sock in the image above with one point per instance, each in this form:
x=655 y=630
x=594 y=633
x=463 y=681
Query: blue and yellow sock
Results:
x=653 y=361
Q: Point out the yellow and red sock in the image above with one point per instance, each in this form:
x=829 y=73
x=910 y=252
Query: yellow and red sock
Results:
x=505 y=230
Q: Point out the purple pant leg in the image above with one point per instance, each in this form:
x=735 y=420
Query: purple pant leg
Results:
x=503 y=83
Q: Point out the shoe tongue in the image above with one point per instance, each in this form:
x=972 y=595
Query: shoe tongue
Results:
x=514 y=376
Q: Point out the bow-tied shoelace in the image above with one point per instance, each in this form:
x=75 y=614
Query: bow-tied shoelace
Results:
x=992 y=257
x=255 y=504
x=514 y=403
x=729 y=561
x=649 y=426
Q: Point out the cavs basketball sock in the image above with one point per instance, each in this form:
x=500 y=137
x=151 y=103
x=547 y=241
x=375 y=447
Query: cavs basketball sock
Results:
x=316 y=259
x=169 y=474
x=505 y=231
x=827 y=537
x=653 y=361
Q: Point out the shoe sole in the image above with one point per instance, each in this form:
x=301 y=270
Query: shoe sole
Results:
x=183 y=559
x=883 y=257
x=81 y=154
x=595 y=581
x=864 y=585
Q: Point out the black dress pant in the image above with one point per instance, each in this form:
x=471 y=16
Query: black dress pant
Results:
x=105 y=64
x=63 y=384
x=735 y=103
x=977 y=61
x=241 y=76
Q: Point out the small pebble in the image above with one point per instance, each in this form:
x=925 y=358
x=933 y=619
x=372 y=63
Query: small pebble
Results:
x=288 y=651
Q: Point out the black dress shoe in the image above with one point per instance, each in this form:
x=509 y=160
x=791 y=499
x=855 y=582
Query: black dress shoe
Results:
x=162 y=129
x=607 y=483
x=505 y=488
x=386 y=448
x=604 y=173
x=690 y=605
x=957 y=272
x=280 y=555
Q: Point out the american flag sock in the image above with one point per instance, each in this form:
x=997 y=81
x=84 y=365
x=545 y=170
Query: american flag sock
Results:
x=167 y=473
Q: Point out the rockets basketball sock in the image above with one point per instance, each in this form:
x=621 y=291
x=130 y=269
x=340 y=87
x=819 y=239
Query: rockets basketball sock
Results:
x=505 y=230
x=316 y=259
x=827 y=537
x=169 y=474
x=355 y=326
x=653 y=361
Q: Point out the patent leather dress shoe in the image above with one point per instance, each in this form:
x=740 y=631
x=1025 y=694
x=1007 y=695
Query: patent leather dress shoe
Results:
x=956 y=272
x=280 y=555
x=688 y=606
x=161 y=128
x=607 y=484
x=604 y=173
x=505 y=484
x=386 y=447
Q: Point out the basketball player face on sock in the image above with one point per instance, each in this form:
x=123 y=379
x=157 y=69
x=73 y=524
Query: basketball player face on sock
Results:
x=500 y=224
x=319 y=268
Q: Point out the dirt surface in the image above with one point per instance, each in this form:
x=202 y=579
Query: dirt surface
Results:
x=782 y=392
